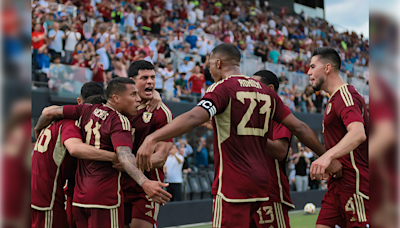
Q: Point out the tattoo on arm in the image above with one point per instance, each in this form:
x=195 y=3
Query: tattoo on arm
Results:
x=128 y=161
x=46 y=118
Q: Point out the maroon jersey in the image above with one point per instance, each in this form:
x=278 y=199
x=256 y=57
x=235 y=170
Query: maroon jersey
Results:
x=345 y=107
x=145 y=123
x=52 y=165
x=280 y=190
x=97 y=184
x=242 y=109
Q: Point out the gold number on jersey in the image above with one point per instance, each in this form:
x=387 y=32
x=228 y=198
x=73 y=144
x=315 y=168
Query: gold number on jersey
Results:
x=265 y=109
x=96 y=132
x=268 y=211
x=41 y=146
x=350 y=206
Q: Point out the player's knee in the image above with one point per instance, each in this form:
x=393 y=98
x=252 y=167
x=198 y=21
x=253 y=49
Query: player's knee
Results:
x=138 y=223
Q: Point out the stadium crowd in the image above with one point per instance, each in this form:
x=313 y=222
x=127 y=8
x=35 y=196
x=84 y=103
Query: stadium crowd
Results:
x=177 y=36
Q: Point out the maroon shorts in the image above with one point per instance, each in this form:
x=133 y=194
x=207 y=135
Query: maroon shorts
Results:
x=343 y=209
x=68 y=210
x=271 y=214
x=252 y=214
x=143 y=208
x=98 y=217
x=48 y=219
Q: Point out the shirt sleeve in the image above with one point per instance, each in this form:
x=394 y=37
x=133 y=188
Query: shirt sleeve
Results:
x=216 y=99
x=163 y=118
x=281 y=132
x=121 y=134
x=70 y=130
x=74 y=111
x=349 y=109
x=52 y=33
x=281 y=110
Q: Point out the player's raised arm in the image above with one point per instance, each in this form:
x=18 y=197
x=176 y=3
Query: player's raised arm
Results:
x=46 y=118
x=152 y=188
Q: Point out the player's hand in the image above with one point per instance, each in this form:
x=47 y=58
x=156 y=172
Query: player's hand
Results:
x=143 y=155
x=115 y=159
x=154 y=103
x=208 y=125
x=119 y=167
x=154 y=190
x=318 y=167
x=335 y=168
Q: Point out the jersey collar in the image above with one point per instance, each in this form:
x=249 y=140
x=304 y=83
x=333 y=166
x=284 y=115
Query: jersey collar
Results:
x=338 y=89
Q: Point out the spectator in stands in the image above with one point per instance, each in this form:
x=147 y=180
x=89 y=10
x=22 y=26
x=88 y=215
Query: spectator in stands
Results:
x=262 y=51
x=80 y=60
x=283 y=79
x=181 y=86
x=99 y=75
x=151 y=57
x=197 y=82
x=56 y=37
x=273 y=54
x=48 y=24
x=72 y=39
x=307 y=100
x=301 y=163
x=38 y=38
x=119 y=66
x=292 y=180
x=191 y=38
x=186 y=66
x=173 y=173
x=202 y=153
x=168 y=77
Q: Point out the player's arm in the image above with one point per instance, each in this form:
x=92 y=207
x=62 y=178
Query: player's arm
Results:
x=46 y=118
x=349 y=109
x=152 y=188
x=178 y=126
x=81 y=150
x=383 y=137
x=161 y=154
x=308 y=137
x=278 y=148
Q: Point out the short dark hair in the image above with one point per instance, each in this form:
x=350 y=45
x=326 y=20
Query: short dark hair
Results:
x=56 y=56
x=134 y=68
x=329 y=54
x=229 y=50
x=117 y=86
x=90 y=89
x=268 y=78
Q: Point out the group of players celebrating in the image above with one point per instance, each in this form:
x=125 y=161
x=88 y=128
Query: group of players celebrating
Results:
x=106 y=154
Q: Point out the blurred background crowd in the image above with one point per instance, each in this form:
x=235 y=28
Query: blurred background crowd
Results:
x=96 y=40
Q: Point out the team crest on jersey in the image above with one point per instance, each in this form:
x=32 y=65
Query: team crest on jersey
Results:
x=147 y=116
x=328 y=110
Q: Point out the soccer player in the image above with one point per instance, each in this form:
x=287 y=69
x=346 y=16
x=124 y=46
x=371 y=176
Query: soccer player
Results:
x=140 y=210
x=242 y=109
x=275 y=212
x=52 y=165
x=345 y=129
x=98 y=199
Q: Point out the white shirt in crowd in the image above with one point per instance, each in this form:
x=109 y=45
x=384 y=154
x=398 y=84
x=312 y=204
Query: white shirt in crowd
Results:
x=169 y=83
x=192 y=17
x=168 y=5
x=102 y=37
x=272 y=24
x=149 y=59
x=188 y=149
x=183 y=68
x=203 y=47
x=130 y=20
x=308 y=154
x=285 y=31
x=159 y=80
x=199 y=14
x=71 y=40
x=56 y=44
x=174 y=169
x=103 y=58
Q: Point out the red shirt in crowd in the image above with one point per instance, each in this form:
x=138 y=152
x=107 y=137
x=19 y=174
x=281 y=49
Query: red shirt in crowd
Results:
x=97 y=77
x=37 y=45
x=76 y=63
x=197 y=82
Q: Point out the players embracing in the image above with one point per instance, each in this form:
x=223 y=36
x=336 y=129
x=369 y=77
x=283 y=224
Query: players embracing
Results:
x=98 y=194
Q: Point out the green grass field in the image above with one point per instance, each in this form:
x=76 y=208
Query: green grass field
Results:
x=297 y=220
